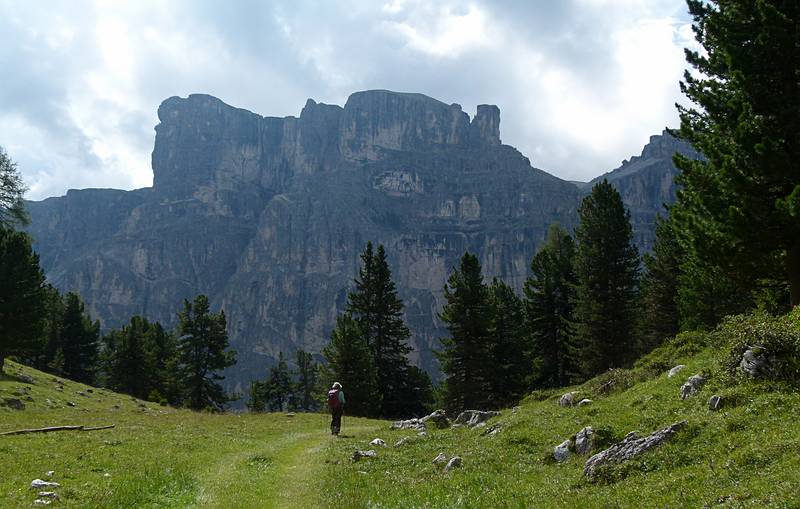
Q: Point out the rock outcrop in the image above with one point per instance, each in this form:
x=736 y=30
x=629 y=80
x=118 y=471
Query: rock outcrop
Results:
x=472 y=418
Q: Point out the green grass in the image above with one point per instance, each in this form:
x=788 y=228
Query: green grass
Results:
x=745 y=455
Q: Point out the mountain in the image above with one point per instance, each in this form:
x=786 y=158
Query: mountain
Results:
x=268 y=216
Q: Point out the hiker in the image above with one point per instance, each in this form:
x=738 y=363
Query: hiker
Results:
x=336 y=405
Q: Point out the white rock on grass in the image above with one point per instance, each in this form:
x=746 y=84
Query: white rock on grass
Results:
x=403 y=441
x=40 y=501
x=50 y=473
x=584 y=402
x=473 y=418
x=48 y=494
x=37 y=484
x=441 y=458
x=379 y=442
x=357 y=455
x=561 y=451
x=584 y=440
x=692 y=386
x=455 y=462
x=674 y=371
x=715 y=402
x=567 y=399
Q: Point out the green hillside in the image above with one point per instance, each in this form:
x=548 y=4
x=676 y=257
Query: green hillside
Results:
x=746 y=454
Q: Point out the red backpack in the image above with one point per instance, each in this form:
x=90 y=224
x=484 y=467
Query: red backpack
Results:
x=333 y=399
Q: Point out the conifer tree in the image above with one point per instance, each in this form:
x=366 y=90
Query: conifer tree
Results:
x=256 y=400
x=126 y=360
x=466 y=353
x=606 y=266
x=350 y=363
x=12 y=190
x=738 y=210
x=78 y=342
x=660 y=281
x=307 y=382
x=22 y=294
x=203 y=352
x=509 y=351
x=549 y=305
x=53 y=304
x=278 y=388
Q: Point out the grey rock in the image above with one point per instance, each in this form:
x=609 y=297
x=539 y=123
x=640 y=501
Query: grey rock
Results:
x=28 y=379
x=472 y=418
x=440 y=458
x=40 y=501
x=567 y=400
x=714 y=402
x=14 y=403
x=692 y=386
x=674 y=371
x=584 y=402
x=38 y=484
x=494 y=429
x=584 y=440
x=357 y=455
x=561 y=452
x=403 y=441
x=50 y=473
x=70 y=403
x=455 y=462
x=47 y=494
x=439 y=418
x=378 y=441
x=415 y=424
x=756 y=363
x=422 y=433
x=630 y=447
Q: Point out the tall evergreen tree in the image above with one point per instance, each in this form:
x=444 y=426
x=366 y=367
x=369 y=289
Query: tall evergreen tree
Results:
x=350 y=363
x=78 y=342
x=509 y=350
x=466 y=354
x=279 y=385
x=53 y=303
x=307 y=382
x=549 y=305
x=126 y=363
x=202 y=349
x=607 y=266
x=739 y=207
x=379 y=311
x=22 y=294
x=660 y=316
x=12 y=189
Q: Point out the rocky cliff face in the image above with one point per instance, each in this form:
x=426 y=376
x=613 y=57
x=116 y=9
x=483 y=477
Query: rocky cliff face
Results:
x=268 y=216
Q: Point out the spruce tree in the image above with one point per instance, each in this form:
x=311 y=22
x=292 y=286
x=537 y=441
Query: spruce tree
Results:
x=549 y=306
x=256 y=400
x=12 y=190
x=606 y=266
x=202 y=350
x=78 y=342
x=22 y=296
x=466 y=354
x=278 y=388
x=307 y=382
x=127 y=367
x=660 y=316
x=738 y=209
x=509 y=351
x=350 y=363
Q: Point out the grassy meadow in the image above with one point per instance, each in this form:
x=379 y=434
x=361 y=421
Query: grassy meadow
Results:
x=747 y=454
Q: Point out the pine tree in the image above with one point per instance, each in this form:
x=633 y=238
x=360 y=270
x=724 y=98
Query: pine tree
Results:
x=379 y=311
x=126 y=364
x=161 y=353
x=53 y=304
x=256 y=400
x=661 y=319
x=12 y=190
x=307 y=382
x=465 y=355
x=606 y=265
x=508 y=346
x=350 y=363
x=549 y=308
x=202 y=350
x=78 y=342
x=738 y=210
x=278 y=388
x=22 y=296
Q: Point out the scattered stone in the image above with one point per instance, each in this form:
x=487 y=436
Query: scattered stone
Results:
x=515 y=409
x=455 y=462
x=81 y=393
x=25 y=378
x=50 y=473
x=584 y=440
x=441 y=458
x=585 y=401
x=40 y=501
x=567 y=399
x=106 y=475
x=630 y=447
x=379 y=442
x=439 y=418
x=422 y=434
x=70 y=403
x=89 y=391
x=357 y=455
x=14 y=403
x=38 y=484
x=415 y=424
x=48 y=494
x=403 y=441
x=494 y=429
x=692 y=386
x=290 y=414
x=472 y=418
x=714 y=402
x=756 y=364
x=674 y=371
x=561 y=452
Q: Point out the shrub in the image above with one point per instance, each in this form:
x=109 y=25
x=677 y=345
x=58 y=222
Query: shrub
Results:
x=775 y=338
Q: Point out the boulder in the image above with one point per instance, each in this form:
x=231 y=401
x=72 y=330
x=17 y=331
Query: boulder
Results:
x=439 y=418
x=22 y=377
x=674 y=371
x=584 y=440
x=585 y=401
x=40 y=501
x=357 y=455
x=473 y=418
x=440 y=458
x=692 y=386
x=403 y=441
x=567 y=399
x=378 y=442
x=415 y=424
x=14 y=403
x=48 y=494
x=561 y=452
x=714 y=402
x=756 y=363
x=38 y=484
x=455 y=462
x=630 y=447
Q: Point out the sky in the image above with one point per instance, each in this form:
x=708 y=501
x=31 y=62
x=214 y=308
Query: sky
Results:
x=581 y=84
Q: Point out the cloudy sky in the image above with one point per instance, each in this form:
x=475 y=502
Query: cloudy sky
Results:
x=581 y=84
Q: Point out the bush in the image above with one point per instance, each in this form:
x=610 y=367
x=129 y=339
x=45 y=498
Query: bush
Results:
x=666 y=356
x=774 y=338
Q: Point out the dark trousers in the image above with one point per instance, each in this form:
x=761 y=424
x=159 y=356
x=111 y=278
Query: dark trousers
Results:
x=336 y=420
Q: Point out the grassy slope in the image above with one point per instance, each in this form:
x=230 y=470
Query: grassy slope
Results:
x=746 y=455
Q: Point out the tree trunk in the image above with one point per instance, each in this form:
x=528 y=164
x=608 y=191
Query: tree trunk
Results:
x=793 y=270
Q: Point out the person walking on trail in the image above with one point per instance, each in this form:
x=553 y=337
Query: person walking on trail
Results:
x=336 y=405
